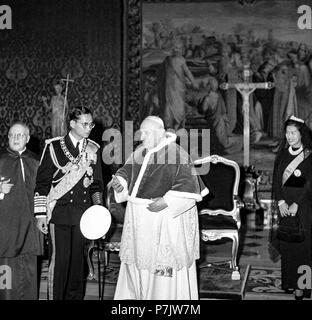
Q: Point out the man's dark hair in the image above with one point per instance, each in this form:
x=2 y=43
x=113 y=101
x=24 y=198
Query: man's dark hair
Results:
x=78 y=111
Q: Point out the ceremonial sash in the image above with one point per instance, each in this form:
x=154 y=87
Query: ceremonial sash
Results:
x=70 y=178
x=293 y=165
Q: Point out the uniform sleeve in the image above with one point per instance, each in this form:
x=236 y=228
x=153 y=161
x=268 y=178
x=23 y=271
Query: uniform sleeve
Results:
x=43 y=183
x=97 y=187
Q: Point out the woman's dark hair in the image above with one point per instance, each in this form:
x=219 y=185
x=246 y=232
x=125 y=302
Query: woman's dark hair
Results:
x=304 y=131
x=305 y=137
x=78 y=111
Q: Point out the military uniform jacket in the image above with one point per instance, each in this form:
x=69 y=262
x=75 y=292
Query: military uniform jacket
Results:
x=70 y=207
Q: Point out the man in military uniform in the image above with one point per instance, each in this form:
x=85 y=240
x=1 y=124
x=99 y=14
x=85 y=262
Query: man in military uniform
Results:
x=69 y=180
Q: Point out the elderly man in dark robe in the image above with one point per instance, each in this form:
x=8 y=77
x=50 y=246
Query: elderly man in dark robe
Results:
x=19 y=237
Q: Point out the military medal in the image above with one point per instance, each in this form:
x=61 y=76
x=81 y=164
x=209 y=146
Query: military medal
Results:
x=74 y=161
x=86 y=182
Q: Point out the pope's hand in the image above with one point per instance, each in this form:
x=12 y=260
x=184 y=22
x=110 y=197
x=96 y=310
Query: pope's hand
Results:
x=293 y=209
x=284 y=210
x=117 y=185
x=42 y=225
x=157 y=205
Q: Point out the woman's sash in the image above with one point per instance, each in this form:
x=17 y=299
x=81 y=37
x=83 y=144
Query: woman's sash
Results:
x=293 y=165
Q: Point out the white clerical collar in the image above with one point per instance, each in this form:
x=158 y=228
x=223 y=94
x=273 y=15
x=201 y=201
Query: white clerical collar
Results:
x=75 y=141
x=294 y=152
x=20 y=152
x=170 y=137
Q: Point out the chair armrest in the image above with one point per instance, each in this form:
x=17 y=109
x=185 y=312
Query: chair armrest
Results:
x=239 y=203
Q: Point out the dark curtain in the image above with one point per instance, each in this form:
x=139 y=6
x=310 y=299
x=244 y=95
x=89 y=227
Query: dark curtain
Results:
x=50 y=39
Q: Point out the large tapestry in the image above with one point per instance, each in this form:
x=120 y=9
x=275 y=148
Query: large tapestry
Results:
x=50 y=40
x=184 y=50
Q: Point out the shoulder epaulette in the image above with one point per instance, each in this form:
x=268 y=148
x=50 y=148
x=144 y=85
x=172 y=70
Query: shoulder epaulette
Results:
x=96 y=144
x=47 y=141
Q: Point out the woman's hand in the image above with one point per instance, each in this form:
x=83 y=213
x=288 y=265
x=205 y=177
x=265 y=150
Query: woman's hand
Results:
x=284 y=210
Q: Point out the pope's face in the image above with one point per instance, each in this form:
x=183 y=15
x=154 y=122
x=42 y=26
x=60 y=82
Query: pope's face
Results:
x=148 y=135
x=18 y=137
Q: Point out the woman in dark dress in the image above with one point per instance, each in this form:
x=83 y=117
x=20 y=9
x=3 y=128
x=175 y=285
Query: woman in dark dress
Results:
x=293 y=192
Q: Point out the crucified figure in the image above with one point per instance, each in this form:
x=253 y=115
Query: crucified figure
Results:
x=245 y=89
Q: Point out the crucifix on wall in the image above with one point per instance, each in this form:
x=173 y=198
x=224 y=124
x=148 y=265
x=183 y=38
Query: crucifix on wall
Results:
x=245 y=89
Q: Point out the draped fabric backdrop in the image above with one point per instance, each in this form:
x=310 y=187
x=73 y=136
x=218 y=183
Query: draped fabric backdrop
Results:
x=50 y=39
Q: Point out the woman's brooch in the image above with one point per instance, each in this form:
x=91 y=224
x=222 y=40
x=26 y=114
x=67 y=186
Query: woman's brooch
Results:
x=297 y=173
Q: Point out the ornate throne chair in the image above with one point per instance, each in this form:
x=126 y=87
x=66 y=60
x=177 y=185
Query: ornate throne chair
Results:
x=219 y=211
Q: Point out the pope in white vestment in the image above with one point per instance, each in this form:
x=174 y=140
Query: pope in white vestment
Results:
x=160 y=238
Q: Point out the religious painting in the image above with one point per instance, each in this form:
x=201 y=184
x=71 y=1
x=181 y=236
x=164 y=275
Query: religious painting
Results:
x=186 y=50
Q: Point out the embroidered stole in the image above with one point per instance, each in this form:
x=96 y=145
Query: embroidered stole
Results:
x=293 y=165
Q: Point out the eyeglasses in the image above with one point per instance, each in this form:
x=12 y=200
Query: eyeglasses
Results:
x=86 y=125
x=18 y=136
